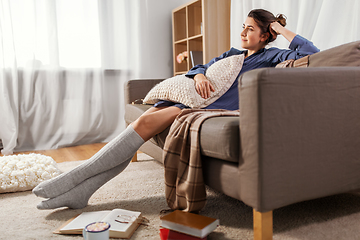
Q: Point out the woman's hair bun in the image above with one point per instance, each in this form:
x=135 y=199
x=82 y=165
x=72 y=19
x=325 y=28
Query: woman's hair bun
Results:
x=281 y=18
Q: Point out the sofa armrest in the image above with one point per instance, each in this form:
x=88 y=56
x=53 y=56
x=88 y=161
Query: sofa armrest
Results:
x=137 y=89
x=300 y=134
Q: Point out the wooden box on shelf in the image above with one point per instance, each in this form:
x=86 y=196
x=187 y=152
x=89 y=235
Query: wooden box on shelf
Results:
x=201 y=26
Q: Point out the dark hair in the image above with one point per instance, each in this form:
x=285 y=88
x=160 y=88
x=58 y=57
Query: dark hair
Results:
x=264 y=18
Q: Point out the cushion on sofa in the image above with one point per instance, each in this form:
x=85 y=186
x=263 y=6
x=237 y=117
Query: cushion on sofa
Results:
x=343 y=55
x=225 y=146
x=181 y=89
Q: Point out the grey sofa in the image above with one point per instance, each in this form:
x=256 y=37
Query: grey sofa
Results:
x=297 y=138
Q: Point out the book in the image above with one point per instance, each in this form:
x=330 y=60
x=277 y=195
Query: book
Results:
x=166 y=234
x=196 y=58
x=189 y=223
x=123 y=222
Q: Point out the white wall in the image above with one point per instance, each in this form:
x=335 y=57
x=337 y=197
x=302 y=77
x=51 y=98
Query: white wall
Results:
x=156 y=41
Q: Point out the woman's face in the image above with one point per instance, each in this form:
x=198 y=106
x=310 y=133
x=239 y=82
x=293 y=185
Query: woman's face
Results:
x=251 y=36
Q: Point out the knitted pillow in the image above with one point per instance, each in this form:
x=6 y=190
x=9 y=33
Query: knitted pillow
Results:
x=221 y=75
x=24 y=172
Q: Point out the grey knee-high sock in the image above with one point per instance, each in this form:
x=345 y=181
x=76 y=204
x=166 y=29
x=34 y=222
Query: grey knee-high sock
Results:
x=79 y=196
x=111 y=155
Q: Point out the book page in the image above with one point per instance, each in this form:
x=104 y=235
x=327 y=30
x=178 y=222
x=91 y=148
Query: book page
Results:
x=84 y=219
x=117 y=226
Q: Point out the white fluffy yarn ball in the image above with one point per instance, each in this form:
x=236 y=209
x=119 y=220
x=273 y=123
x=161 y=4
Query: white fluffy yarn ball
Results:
x=24 y=171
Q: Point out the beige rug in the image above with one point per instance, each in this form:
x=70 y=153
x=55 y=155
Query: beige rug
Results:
x=140 y=188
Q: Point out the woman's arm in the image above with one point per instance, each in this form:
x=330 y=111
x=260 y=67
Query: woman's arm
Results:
x=299 y=47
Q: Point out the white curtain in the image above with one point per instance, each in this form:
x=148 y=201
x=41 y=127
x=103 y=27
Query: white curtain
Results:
x=63 y=65
x=327 y=23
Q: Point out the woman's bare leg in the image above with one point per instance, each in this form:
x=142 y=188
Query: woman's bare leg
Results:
x=154 y=121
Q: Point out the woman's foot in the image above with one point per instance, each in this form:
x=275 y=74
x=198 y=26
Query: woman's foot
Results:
x=111 y=155
x=79 y=196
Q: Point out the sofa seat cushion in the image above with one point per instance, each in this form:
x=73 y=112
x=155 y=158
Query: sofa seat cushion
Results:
x=219 y=136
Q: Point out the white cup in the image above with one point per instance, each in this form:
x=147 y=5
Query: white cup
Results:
x=97 y=231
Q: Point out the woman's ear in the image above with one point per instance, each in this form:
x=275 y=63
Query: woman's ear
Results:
x=264 y=37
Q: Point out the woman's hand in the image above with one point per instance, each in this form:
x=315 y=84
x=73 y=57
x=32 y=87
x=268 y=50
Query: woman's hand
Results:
x=203 y=86
x=276 y=29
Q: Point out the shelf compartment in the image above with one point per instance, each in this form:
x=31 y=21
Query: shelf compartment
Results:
x=195 y=18
x=179 y=48
x=196 y=46
x=179 y=24
x=201 y=26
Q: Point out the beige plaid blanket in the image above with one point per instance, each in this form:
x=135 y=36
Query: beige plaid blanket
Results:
x=291 y=63
x=184 y=184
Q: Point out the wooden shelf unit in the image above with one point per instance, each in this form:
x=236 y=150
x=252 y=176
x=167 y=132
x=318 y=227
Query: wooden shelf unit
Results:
x=200 y=25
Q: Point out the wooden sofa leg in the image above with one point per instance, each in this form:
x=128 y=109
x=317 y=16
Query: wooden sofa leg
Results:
x=263 y=225
x=134 y=159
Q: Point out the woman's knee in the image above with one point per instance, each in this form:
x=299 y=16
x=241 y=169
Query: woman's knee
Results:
x=153 y=122
x=144 y=121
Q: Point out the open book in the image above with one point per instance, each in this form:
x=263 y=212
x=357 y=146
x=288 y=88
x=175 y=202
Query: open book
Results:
x=123 y=222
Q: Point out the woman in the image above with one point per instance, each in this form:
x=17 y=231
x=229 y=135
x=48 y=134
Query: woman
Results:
x=73 y=189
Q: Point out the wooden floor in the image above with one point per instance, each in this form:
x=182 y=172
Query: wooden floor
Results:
x=76 y=153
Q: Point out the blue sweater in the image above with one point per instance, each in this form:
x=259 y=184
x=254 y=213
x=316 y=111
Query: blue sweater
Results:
x=299 y=47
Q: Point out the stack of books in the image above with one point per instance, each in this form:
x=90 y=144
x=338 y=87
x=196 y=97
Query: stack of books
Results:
x=183 y=225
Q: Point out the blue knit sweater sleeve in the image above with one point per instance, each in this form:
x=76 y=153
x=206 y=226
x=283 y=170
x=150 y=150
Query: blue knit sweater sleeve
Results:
x=298 y=48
